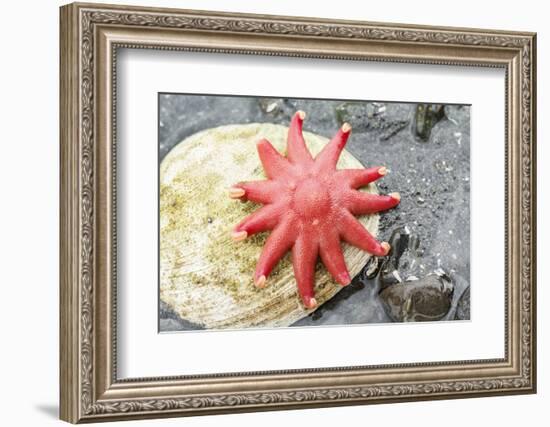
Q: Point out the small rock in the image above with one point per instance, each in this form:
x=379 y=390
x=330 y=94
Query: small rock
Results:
x=425 y=118
x=393 y=128
x=269 y=105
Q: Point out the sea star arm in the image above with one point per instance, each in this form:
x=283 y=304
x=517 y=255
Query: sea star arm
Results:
x=328 y=157
x=276 y=246
x=333 y=258
x=353 y=232
x=263 y=192
x=356 y=178
x=274 y=164
x=304 y=257
x=265 y=218
x=297 y=151
x=359 y=203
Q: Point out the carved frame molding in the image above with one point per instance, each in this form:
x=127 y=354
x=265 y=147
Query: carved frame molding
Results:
x=90 y=37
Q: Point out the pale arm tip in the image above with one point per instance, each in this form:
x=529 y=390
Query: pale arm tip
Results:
x=344 y=279
x=236 y=193
x=260 y=282
x=346 y=127
x=261 y=142
x=311 y=303
x=396 y=196
x=239 y=236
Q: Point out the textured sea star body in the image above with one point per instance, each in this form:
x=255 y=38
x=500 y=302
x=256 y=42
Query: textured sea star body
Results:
x=309 y=207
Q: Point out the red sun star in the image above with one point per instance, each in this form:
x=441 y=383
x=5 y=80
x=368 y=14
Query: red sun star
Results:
x=309 y=206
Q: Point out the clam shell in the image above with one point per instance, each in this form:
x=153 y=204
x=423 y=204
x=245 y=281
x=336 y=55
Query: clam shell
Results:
x=205 y=277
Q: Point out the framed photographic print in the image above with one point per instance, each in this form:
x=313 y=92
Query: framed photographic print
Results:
x=268 y=212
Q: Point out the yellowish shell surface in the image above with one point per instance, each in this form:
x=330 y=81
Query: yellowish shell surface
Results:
x=205 y=277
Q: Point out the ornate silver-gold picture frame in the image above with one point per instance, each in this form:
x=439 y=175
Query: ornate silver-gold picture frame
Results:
x=93 y=36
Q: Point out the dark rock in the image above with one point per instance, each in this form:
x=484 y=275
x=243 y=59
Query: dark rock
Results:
x=463 y=306
x=402 y=262
x=404 y=296
x=371 y=269
x=426 y=299
x=425 y=118
x=393 y=128
x=270 y=105
x=169 y=320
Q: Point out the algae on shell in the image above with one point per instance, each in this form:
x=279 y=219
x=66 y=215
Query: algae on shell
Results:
x=205 y=277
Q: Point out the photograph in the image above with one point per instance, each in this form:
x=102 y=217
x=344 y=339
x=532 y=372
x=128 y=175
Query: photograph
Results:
x=281 y=212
